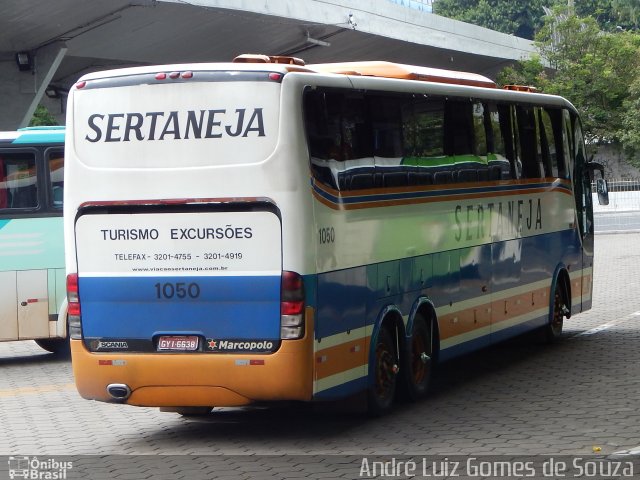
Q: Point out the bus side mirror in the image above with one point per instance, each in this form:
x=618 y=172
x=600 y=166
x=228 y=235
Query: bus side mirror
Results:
x=603 y=191
x=602 y=188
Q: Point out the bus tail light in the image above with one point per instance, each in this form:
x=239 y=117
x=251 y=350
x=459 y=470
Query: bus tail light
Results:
x=292 y=306
x=73 y=307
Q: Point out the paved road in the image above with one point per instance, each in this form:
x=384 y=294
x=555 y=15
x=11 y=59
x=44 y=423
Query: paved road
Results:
x=609 y=222
x=521 y=398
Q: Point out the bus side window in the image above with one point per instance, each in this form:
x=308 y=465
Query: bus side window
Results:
x=56 y=177
x=550 y=127
x=506 y=120
x=423 y=127
x=497 y=155
x=386 y=124
x=567 y=143
x=3 y=185
x=319 y=139
x=582 y=180
x=19 y=181
x=530 y=146
x=339 y=137
x=458 y=120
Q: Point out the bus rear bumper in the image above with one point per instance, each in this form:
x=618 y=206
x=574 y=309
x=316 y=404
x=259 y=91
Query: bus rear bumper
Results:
x=197 y=379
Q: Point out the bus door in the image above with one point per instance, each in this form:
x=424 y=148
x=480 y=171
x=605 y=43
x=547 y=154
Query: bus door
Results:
x=582 y=285
x=24 y=308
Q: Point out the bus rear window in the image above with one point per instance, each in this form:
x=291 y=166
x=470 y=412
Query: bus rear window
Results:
x=18 y=185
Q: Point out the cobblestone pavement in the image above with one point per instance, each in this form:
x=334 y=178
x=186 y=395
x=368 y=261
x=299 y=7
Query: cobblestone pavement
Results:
x=575 y=397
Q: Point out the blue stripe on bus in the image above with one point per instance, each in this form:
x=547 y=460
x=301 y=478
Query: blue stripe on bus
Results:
x=226 y=307
x=464 y=348
x=3 y=223
x=504 y=334
x=492 y=338
x=356 y=299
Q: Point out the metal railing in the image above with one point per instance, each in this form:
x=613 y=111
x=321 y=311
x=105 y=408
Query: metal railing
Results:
x=623 y=211
x=624 y=196
x=422 y=5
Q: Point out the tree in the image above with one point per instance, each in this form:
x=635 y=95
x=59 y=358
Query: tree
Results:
x=42 y=117
x=627 y=12
x=630 y=131
x=591 y=68
x=524 y=18
x=530 y=72
x=611 y=15
x=517 y=17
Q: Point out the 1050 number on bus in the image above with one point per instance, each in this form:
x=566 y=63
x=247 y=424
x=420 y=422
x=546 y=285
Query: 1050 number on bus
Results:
x=326 y=235
x=179 y=290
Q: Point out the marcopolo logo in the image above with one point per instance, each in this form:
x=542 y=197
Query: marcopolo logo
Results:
x=241 y=345
x=38 y=469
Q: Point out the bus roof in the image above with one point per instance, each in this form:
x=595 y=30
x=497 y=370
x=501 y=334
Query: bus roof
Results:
x=375 y=69
x=34 y=135
x=406 y=72
x=283 y=65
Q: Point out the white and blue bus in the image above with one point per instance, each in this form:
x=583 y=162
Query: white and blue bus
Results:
x=32 y=277
x=264 y=230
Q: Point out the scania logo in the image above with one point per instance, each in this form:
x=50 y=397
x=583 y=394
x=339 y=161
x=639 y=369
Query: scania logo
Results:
x=109 y=344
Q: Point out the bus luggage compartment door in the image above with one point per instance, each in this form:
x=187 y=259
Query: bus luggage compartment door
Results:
x=33 y=304
x=158 y=279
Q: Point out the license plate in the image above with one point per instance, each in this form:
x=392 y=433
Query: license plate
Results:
x=178 y=343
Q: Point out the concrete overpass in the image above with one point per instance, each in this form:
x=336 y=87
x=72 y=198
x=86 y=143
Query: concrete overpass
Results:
x=59 y=41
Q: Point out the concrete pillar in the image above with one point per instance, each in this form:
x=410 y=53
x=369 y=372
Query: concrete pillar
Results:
x=20 y=92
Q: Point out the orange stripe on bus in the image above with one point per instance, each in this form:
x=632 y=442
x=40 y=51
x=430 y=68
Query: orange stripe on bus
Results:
x=586 y=284
x=492 y=313
x=340 y=358
x=464 y=321
x=508 y=308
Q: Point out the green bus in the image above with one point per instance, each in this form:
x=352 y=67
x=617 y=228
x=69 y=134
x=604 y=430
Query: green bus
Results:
x=32 y=278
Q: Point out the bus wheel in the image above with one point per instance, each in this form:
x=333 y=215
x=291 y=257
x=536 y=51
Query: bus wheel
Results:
x=419 y=359
x=385 y=369
x=553 y=329
x=58 y=346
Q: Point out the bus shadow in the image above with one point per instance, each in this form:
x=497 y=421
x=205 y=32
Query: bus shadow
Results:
x=476 y=366
x=334 y=420
x=33 y=358
x=286 y=420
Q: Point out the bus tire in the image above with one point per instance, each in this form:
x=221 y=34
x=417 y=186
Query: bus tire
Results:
x=381 y=393
x=553 y=329
x=419 y=359
x=57 y=346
